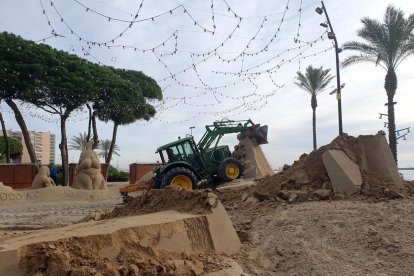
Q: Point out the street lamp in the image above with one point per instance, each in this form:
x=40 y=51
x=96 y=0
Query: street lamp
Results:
x=336 y=89
x=331 y=35
x=191 y=130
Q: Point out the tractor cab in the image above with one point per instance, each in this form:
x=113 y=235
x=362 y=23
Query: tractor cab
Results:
x=182 y=153
x=181 y=150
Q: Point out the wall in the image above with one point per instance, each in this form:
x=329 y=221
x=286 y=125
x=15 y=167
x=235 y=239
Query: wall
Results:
x=17 y=176
x=138 y=170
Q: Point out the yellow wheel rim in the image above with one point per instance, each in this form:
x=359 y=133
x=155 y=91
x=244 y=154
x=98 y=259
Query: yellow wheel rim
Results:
x=182 y=181
x=232 y=171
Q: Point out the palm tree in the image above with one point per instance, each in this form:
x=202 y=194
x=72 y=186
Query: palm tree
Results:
x=387 y=45
x=314 y=82
x=104 y=146
x=79 y=142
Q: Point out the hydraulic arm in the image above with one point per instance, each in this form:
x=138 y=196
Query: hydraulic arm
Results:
x=218 y=129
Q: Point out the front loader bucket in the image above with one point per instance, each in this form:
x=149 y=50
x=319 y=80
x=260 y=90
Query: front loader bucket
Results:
x=255 y=132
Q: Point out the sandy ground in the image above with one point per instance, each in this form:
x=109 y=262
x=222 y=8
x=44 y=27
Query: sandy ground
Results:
x=328 y=238
x=346 y=237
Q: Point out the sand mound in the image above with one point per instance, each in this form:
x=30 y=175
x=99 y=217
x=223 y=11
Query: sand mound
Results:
x=10 y=197
x=194 y=202
x=165 y=243
x=79 y=257
x=161 y=243
x=307 y=177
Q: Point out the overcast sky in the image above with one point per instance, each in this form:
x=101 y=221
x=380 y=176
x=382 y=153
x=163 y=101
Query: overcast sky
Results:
x=220 y=60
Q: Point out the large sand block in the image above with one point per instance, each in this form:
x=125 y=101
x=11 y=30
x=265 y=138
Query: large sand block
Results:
x=54 y=194
x=343 y=172
x=375 y=156
x=167 y=231
x=253 y=158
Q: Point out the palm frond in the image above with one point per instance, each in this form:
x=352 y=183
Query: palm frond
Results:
x=387 y=43
x=314 y=80
x=359 y=59
x=78 y=142
x=104 y=146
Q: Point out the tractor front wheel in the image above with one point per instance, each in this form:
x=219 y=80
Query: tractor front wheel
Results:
x=230 y=169
x=179 y=177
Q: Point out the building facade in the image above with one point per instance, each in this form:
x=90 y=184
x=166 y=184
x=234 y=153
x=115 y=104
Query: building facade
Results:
x=44 y=144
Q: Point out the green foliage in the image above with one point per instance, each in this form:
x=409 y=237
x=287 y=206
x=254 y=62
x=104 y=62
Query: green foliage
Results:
x=387 y=43
x=103 y=149
x=117 y=175
x=125 y=102
x=60 y=83
x=16 y=148
x=21 y=65
x=314 y=80
x=149 y=87
x=79 y=142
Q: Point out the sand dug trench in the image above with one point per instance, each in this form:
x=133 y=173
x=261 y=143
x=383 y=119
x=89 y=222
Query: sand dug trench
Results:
x=157 y=243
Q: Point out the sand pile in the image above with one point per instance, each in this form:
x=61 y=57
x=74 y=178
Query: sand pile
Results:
x=307 y=178
x=161 y=243
x=82 y=257
x=193 y=202
x=254 y=161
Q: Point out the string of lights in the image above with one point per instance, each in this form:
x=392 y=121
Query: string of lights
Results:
x=266 y=46
x=299 y=24
x=230 y=112
x=91 y=43
x=202 y=92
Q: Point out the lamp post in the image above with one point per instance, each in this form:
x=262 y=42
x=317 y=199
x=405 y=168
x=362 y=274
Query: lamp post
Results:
x=331 y=35
x=191 y=130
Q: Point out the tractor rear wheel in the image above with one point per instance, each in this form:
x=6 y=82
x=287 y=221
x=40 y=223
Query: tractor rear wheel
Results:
x=230 y=169
x=179 y=177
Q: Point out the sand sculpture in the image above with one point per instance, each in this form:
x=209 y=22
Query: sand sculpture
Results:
x=43 y=179
x=253 y=159
x=88 y=171
x=4 y=188
x=347 y=165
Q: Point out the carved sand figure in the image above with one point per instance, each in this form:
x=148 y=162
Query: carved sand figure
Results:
x=5 y=188
x=43 y=179
x=88 y=171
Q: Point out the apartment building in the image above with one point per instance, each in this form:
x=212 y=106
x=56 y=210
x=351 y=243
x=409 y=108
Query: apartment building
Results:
x=44 y=144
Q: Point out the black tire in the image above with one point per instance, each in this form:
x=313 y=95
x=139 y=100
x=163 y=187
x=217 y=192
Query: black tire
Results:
x=223 y=172
x=167 y=178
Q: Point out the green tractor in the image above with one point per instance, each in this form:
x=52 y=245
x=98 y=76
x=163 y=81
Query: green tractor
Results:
x=186 y=164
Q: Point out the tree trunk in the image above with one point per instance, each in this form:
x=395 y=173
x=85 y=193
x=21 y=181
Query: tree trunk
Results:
x=6 y=140
x=89 y=122
x=111 y=148
x=26 y=136
x=314 y=104
x=391 y=86
x=314 y=128
x=64 y=151
x=95 y=132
